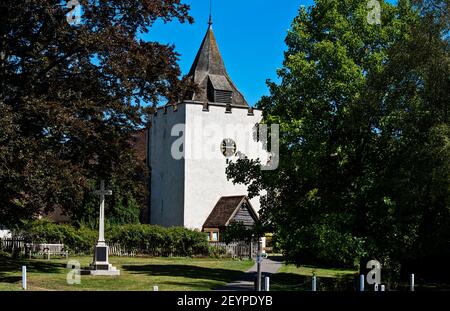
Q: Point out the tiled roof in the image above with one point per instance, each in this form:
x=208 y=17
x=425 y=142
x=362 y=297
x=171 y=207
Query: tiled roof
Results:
x=224 y=210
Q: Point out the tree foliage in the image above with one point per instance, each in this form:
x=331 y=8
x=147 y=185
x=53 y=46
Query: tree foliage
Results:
x=71 y=96
x=364 y=144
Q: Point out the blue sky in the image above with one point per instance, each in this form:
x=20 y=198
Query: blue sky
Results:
x=250 y=34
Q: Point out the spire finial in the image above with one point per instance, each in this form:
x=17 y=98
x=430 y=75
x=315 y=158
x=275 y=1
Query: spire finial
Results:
x=210 y=13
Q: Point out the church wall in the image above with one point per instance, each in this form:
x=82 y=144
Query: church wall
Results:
x=205 y=178
x=167 y=173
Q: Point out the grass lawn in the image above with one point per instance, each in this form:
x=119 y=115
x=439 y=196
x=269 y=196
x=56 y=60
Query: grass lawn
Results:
x=293 y=278
x=179 y=274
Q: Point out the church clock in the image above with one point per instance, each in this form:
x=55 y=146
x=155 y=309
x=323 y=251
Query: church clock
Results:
x=228 y=147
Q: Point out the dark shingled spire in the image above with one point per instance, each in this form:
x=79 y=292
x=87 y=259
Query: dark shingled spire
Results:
x=208 y=71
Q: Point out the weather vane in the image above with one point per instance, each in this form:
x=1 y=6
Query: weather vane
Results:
x=210 y=13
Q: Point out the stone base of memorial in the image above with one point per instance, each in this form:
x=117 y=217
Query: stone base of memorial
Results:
x=101 y=265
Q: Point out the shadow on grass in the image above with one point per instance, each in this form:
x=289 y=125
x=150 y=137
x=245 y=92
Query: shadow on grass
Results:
x=277 y=258
x=10 y=265
x=295 y=282
x=347 y=271
x=187 y=271
x=202 y=285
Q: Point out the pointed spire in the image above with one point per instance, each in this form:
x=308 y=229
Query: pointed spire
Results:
x=209 y=72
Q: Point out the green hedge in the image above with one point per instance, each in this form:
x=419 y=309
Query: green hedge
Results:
x=137 y=238
x=77 y=240
x=157 y=240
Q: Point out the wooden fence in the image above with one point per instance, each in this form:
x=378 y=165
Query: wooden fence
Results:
x=234 y=249
x=118 y=250
x=237 y=249
x=13 y=245
x=20 y=246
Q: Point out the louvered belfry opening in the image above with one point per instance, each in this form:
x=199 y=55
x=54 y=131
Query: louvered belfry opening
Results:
x=221 y=96
x=209 y=73
x=219 y=90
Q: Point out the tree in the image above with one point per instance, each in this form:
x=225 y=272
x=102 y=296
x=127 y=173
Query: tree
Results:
x=73 y=94
x=413 y=141
x=363 y=114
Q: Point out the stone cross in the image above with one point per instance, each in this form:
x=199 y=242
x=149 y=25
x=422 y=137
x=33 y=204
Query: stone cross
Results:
x=101 y=223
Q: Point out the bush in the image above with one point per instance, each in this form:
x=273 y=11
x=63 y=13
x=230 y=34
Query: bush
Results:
x=217 y=251
x=133 y=238
x=76 y=240
x=158 y=241
x=322 y=244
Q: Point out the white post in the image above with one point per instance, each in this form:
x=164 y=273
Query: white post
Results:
x=155 y=288
x=375 y=287
x=383 y=288
x=411 y=282
x=258 y=266
x=361 y=283
x=266 y=284
x=314 y=283
x=24 y=277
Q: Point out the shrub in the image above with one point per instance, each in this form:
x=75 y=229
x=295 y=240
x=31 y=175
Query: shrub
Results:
x=76 y=240
x=133 y=238
x=322 y=244
x=158 y=241
x=217 y=251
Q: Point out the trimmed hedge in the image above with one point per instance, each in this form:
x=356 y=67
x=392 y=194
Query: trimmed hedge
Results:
x=76 y=240
x=133 y=238
x=157 y=240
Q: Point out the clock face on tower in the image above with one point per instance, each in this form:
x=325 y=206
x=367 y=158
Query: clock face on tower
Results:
x=228 y=147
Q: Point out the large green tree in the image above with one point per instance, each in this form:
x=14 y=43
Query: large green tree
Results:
x=364 y=143
x=72 y=92
x=412 y=154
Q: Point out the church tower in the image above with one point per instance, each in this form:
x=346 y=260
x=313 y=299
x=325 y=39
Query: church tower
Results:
x=191 y=144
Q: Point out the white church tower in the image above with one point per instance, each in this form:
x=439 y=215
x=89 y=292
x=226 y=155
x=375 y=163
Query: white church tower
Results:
x=191 y=144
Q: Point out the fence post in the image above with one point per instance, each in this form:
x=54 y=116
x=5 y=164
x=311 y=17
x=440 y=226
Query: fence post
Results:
x=383 y=288
x=314 y=283
x=411 y=282
x=24 y=277
x=361 y=283
x=266 y=284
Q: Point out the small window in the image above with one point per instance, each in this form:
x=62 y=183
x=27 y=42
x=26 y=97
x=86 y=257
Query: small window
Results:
x=215 y=236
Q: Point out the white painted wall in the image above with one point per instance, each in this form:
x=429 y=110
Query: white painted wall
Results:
x=185 y=191
x=205 y=179
x=5 y=234
x=167 y=175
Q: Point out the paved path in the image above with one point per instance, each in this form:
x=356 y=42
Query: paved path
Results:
x=246 y=283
